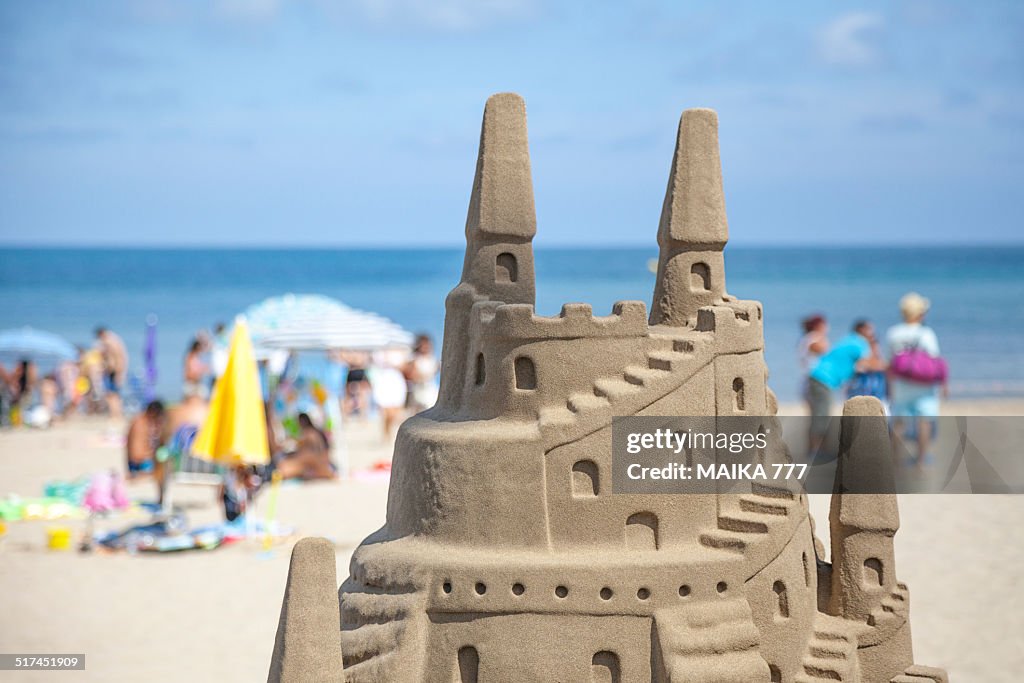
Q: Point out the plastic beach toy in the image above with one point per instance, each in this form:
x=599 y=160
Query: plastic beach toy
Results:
x=58 y=538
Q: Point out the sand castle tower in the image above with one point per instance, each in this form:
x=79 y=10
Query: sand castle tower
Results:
x=505 y=556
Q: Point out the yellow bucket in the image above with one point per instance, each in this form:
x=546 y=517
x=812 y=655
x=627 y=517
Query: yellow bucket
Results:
x=58 y=538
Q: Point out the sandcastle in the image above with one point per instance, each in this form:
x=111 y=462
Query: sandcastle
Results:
x=505 y=555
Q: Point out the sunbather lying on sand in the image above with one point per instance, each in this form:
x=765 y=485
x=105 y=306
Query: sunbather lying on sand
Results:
x=311 y=457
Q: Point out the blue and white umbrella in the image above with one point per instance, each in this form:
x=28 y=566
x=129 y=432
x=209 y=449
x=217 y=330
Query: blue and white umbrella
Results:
x=311 y=322
x=40 y=347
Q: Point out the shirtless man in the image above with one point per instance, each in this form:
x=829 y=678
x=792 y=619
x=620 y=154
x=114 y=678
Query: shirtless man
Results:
x=115 y=367
x=143 y=439
x=179 y=430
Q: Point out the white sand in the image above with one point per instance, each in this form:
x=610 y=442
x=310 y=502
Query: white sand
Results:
x=212 y=615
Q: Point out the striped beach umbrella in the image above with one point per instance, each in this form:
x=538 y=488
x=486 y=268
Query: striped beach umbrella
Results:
x=310 y=322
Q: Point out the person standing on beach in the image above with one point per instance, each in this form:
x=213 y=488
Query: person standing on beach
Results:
x=195 y=371
x=219 y=346
x=914 y=398
x=388 y=387
x=850 y=355
x=421 y=372
x=115 y=367
x=812 y=346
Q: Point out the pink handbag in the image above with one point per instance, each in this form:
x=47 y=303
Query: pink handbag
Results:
x=919 y=366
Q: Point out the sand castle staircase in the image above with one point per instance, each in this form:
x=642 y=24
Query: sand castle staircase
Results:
x=675 y=357
x=748 y=521
x=710 y=641
x=667 y=368
x=378 y=631
x=890 y=614
x=831 y=653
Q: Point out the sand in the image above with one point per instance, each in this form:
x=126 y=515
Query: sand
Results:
x=211 y=615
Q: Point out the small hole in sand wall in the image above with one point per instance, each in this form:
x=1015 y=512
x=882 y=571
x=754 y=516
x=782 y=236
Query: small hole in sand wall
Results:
x=480 y=588
x=469 y=665
x=447 y=587
x=605 y=668
x=739 y=398
x=643 y=594
x=518 y=589
x=526 y=373
x=481 y=369
x=642 y=531
x=873 y=572
x=700 y=277
x=561 y=591
x=782 y=606
x=606 y=593
x=505 y=268
x=584 y=479
x=684 y=591
x=722 y=587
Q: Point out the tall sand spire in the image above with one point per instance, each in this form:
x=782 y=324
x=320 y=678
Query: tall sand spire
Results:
x=502 y=201
x=500 y=226
x=693 y=229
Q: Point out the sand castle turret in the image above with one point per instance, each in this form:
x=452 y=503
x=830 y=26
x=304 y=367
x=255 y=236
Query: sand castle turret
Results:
x=500 y=226
x=505 y=556
x=864 y=586
x=694 y=228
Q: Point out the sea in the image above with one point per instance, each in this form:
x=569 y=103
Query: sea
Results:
x=977 y=295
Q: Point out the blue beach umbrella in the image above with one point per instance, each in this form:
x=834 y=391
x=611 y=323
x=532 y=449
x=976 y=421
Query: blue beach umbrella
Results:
x=34 y=345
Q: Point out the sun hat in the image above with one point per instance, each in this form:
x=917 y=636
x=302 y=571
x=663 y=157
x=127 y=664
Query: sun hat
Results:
x=913 y=305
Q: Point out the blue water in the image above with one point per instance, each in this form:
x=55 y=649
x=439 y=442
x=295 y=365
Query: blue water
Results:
x=977 y=294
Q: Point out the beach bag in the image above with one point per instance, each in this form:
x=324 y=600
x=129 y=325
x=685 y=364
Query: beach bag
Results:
x=917 y=365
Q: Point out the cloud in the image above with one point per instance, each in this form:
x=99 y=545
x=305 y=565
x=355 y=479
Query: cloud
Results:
x=852 y=40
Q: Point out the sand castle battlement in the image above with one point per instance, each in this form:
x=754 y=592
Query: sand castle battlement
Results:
x=505 y=555
x=574 y=321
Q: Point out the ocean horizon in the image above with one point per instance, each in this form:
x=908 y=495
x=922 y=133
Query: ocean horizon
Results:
x=977 y=294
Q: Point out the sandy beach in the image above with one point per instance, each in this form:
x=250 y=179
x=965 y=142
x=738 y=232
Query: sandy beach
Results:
x=211 y=615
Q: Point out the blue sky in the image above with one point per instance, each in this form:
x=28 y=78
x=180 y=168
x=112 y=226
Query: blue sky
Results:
x=355 y=122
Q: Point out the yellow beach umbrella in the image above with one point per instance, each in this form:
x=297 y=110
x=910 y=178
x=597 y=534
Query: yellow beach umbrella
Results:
x=235 y=431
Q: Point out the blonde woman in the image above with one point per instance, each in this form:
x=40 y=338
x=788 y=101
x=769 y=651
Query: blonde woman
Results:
x=917 y=374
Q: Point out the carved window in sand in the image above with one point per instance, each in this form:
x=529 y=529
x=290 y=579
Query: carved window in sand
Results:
x=526 y=373
x=585 y=482
x=605 y=668
x=505 y=268
x=469 y=665
x=481 y=369
x=873 y=574
x=700 y=277
x=739 y=398
x=642 y=531
x=782 y=600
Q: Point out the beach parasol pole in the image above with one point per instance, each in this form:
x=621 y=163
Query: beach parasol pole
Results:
x=275 y=487
x=235 y=431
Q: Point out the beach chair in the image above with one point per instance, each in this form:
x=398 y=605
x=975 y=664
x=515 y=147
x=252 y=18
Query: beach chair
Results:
x=185 y=468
